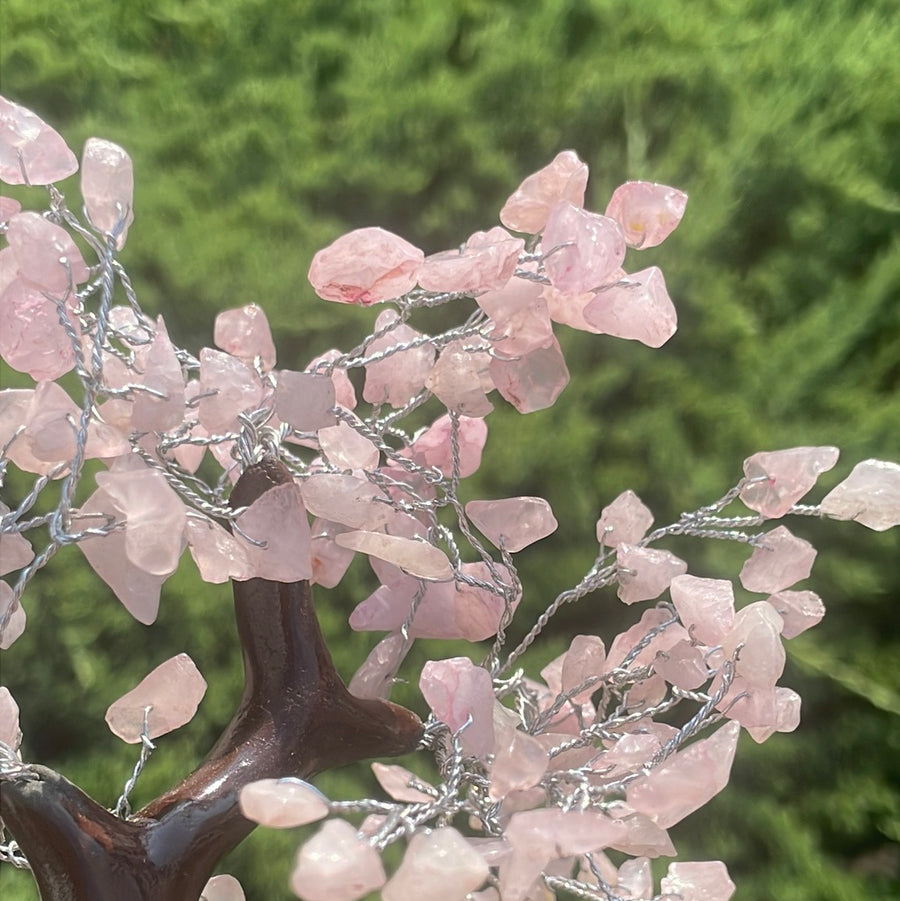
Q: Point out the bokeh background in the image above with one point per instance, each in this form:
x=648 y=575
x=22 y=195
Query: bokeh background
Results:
x=261 y=130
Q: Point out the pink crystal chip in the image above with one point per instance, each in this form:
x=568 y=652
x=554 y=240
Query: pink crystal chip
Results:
x=705 y=880
x=305 y=400
x=31 y=152
x=107 y=186
x=401 y=375
x=647 y=212
x=222 y=888
x=399 y=783
x=705 y=606
x=645 y=573
x=10 y=734
x=433 y=446
x=869 y=495
x=624 y=521
x=14 y=623
x=781 y=478
x=164 y=409
x=244 y=333
x=45 y=253
x=534 y=380
x=418 y=558
x=485 y=263
x=800 y=610
x=565 y=178
x=513 y=523
x=282 y=803
x=780 y=560
x=218 y=554
x=457 y=689
x=173 y=691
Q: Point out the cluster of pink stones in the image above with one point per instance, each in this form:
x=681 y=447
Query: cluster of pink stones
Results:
x=552 y=772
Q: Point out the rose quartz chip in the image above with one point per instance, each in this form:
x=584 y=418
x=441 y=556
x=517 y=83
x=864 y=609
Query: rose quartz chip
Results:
x=533 y=381
x=14 y=622
x=45 y=253
x=218 y=554
x=15 y=548
x=757 y=633
x=401 y=375
x=328 y=559
x=173 y=691
x=800 y=610
x=581 y=249
x=346 y=448
x=282 y=803
x=702 y=881
x=624 y=521
x=438 y=866
x=336 y=865
x=433 y=447
x=376 y=675
x=222 y=888
x=521 y=321
x=418 y=558
x=785 y=715
x=786 y=476
x=778 y=562
x=513 y=523
x=645 y=573
x=563 y=179
x=8 y=208
x=365 y=266
x=870 y=495
x=485 y=263
x=687 y=780
x=520 y=762
x=457 y=379
x=228 y=387
x=31 y=152
x=162 y=373
x=647 y=212
x=399 y=783
x=637 y=307
x=705 y=606
x=635 y=879
x=682 y=665
x=568 y=309
x=346 y=499
x=585 y=658
x=304 y=400
x=244 y=333
x=10 y=733
x=457 y=689
x=344 y=392
x=651 y=621
x=107 y=186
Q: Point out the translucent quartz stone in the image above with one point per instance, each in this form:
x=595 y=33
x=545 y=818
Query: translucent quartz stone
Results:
x=778 y=562
x=228 y=387
x=173 y=691
x=637 y=307
x=365 y=266
x=647 y=212
x=757 y=631
x=346 y=499
x=870 y=495
x=223 y=888
x=328 y=559
x=400 y=376
x=705 y=880
x=282 y=803
x=568 y=309
x=513 y=523
x=799 y=610
x=644 y=837
x=786 y=476
x=628 y=753
x=534 y=380
x=244 y=333
x=687 y=779
x=682 y=665
x=8 y=208
x=218 y=554
x=586 y=658
x=15 y=548
x=336 y=865
x=399 y=783
x=433 y=446
x=635 y=879
x=651 y=620
x=439 y=865
x=344 y=392
x=581 y=249
x=162 y=373
x=346 y=448
x=624 y=521
x=455 y=690
x=485 y=262
x=417 y=558
x=45 y=253
x=521 y=321
x=15 y=621
x=529 y=206
x=457 y=380
x=520 y=762
x=31 y=152
x=304 y=400
x=107 y=187
x=278 y=518
x=785 y=715
x=10 y=733
x=375 y=677
x=705 y=606
x=645 y=573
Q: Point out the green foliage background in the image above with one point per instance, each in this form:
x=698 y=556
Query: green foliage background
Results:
x=261 y=130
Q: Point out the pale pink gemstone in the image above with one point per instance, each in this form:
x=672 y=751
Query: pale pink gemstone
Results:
x=520 y=762
x=624 y=521
x=778 y=562
x=282 y=803
x=345 y=393
x=457 y=380
x=15 y=548
x=568 y=309
x=636 y=307
x=586 y=658
x=456 y=689
x=869 y=495
x=10 y=733
x=478 y=612
x=534 y=380
x=629 y=753
x=244 y=333
x=757 y=632
x=647 y=212
x=400 y=783
x=645 y=573
x=365 y=266
x=346 y=448
x=328 y=559
x=400 y=376
x=346 y=499
x=786 y=715
x=687 y=779
x=705 y=606
x=682 y=665
x=336 y=865
x=486 y=262
x=563 y=179
x=173 y=691
x=786 y=476
x=279 y=519
x=8 y=208
x=232 y=387
x=438 y=866
x=635 y=879
x=705 y=880
x=643 y=837
x=521 y=322
x=223 y=888
x=305 y=400
x=417 y=558
x=218 y=554
x=513 y=523
x=162 y=373
x=626 y=641
x=433 y=447
x=45 y=253
x=107 y=187
x=375 y=677
x=800 y=610
x=31 y=152
x=15 y=621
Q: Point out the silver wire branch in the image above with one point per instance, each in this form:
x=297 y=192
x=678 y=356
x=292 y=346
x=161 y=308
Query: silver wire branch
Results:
x=123 y=805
